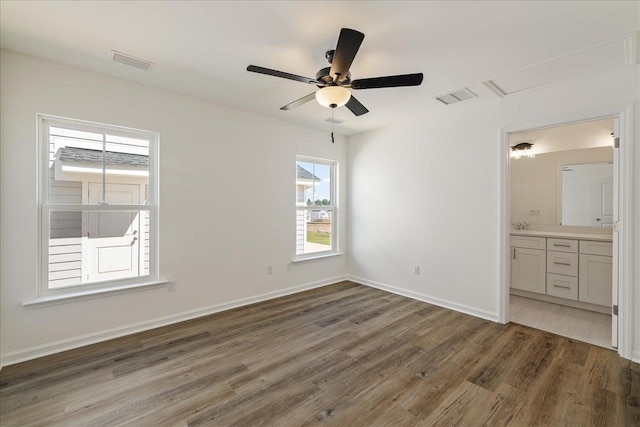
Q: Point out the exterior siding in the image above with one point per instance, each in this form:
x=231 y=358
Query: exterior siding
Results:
x=301 y=226
x=146 y=229
x=300 y=222
x=65 y=231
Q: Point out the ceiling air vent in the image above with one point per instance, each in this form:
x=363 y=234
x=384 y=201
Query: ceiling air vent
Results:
x=457 y=96
x=132 y=61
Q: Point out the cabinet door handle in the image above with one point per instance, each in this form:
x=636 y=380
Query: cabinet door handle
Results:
x=514 y=253
x=562 y=246
x=561 y=263
x=563 y=287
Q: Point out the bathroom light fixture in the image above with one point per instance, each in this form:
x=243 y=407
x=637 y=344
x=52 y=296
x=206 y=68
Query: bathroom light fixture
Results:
x=522 y=149
x=333 y=96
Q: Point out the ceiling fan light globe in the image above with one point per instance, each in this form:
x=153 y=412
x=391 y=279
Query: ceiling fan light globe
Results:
x=333 y=96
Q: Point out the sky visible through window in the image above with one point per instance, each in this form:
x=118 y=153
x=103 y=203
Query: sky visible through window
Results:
x=323 y=188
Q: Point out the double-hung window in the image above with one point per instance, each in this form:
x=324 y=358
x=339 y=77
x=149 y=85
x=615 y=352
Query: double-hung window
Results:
x=98 y=206
x=316 y=217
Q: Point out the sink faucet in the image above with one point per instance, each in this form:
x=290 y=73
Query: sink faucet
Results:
x=520 y=226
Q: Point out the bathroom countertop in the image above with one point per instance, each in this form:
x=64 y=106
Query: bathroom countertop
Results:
x=563 y=235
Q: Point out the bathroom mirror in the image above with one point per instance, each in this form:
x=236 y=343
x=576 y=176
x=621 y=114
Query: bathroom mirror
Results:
x=569 y=181
x=573 y=187
x=587 y=194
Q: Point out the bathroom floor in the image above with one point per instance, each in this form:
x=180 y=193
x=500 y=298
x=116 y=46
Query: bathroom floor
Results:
x=582 y=325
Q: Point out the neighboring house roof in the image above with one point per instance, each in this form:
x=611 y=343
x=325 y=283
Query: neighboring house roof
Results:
x=305 y=174
x=84 y=155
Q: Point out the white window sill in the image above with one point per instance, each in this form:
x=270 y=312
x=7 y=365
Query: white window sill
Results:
x=46 y=301
x=315 y=257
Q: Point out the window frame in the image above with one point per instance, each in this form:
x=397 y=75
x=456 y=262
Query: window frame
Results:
x=332 y=207
x=44 y=122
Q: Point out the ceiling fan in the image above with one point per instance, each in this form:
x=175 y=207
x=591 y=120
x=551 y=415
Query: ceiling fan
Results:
x=335 y=81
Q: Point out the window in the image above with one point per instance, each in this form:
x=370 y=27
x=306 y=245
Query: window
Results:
x=98 y=206
x=315 y=207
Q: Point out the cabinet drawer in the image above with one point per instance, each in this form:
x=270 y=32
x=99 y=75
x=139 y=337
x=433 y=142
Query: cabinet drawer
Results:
x=562 y=286
x=596 y=248
x=562 y=263
x=562 y=245
x=528 y=242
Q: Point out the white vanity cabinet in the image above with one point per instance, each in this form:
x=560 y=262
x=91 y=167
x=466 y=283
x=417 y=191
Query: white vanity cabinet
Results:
x=595 y=272
x=528 y=264
x=566 y=271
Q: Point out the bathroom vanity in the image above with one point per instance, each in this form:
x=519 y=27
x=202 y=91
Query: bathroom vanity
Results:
x=564 y=268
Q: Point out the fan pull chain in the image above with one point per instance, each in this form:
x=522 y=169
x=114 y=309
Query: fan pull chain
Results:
x=332 y=124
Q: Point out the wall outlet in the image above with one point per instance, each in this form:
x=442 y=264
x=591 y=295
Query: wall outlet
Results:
x=416 y=269
x=171 y=286
x=269 y=269
x=534 y=212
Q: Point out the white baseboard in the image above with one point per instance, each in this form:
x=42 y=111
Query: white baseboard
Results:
x=635 y=356
x=71 y=343
x=494 y=317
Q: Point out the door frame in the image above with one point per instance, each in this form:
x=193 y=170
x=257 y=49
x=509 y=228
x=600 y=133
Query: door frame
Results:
x=624 y=228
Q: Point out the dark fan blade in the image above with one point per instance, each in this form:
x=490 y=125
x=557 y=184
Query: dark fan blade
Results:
x=299 y=102
x=348 y=44
x=276 y=73
x=389 y=81
x=355 y=106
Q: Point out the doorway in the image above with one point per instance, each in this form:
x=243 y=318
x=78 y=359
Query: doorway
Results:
x=558 y=274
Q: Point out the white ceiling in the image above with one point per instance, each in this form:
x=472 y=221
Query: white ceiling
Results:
x=202 y=49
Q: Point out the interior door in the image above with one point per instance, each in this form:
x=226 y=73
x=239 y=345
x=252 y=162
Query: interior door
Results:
x=603 y=197
x=112 y=237
x=587 y=194
x=615 y=209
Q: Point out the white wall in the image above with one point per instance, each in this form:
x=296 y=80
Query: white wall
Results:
x=424 y=194
x=227 y=203
x=428 y=192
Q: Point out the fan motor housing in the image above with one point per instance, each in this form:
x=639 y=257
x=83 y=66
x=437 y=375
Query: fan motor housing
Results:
x=324 y=77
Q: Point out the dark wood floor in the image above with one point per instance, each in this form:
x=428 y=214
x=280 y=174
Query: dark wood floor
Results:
x=342 y=355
